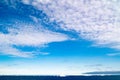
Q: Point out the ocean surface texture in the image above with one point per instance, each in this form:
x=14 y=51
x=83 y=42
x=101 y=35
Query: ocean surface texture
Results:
x=59 y=78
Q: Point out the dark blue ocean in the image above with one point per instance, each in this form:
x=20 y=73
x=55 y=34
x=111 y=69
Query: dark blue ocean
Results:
x=59 y=78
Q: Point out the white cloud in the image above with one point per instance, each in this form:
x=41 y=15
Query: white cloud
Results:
x=9 y=50
x=26 y=1
x=27 y=36
x=33 y=37
x=35 y=19
x=95 y=20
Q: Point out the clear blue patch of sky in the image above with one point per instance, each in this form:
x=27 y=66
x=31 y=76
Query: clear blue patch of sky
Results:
x=81 y=48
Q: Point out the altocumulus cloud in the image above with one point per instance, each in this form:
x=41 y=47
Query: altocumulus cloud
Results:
x=22 y=32
x=94 y=20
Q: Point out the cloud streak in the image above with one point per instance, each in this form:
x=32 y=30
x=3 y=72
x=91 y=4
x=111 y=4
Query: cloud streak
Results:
x=113 y=54
x=27 y=36
x=104 y=73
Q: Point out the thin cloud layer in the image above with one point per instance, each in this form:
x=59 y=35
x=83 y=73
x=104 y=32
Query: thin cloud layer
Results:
x=113 y=54
x=95 y=20
x=104 y=73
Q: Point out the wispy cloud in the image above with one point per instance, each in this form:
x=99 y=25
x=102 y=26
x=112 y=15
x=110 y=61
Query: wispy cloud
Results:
x=104 y=73
x=95 y=20
x=113 y=54
x=27 y=36
x=94 y=65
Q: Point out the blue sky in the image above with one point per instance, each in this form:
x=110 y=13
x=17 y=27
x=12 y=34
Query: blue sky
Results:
x=49 y=37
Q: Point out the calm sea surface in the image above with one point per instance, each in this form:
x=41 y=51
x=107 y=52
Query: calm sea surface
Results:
x=59 y=78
